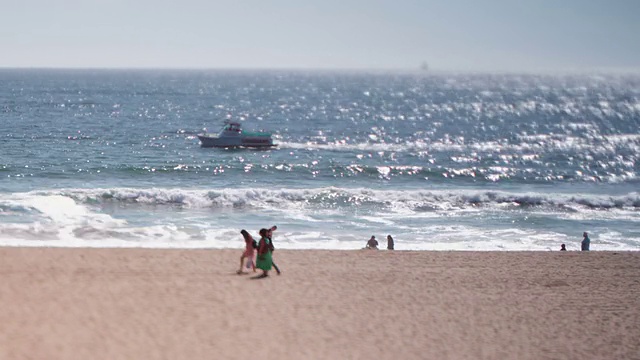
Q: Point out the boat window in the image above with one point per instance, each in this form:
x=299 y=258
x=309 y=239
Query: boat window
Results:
x=232 y=127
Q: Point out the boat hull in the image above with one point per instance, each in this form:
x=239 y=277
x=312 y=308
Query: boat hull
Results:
x=211 y=141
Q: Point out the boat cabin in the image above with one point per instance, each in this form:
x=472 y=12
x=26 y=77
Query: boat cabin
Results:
x=232 y=127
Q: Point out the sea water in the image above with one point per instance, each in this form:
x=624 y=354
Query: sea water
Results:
x=110 y=158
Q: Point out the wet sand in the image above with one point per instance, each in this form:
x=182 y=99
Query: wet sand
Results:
x=190 y=304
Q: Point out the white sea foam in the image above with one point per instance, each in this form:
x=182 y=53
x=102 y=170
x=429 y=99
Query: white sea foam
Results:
x=436 y=238
x=74 y=217
x=59 y=204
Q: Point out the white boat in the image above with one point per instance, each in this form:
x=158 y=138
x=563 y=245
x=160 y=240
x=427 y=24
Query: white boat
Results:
x=231 y=136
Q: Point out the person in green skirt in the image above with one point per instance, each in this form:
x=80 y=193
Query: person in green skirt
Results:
x=264 y=260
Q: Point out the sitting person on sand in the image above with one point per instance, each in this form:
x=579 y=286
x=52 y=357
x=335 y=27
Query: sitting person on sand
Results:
x=563 y=247
x=264 y=261
x=584 y=245
x=250 y=244
x=372 y=243
x=389 y=242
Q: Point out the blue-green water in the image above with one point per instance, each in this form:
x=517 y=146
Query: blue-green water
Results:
x=444 y=161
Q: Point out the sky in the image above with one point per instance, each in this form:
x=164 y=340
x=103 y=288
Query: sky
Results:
x=452 y=35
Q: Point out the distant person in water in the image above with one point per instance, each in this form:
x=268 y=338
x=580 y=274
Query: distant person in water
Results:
x=264 y=261
x=389 y=242
x=585 y=242
x=563 y=247
x=250 y=245
x=270 y=236
x=372 y=243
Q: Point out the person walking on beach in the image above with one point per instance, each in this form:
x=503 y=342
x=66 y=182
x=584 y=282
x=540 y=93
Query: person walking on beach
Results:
x=264 y=261
x=389 y=242
x=250 y=245
x=372 y=243
x=563 y=247
x=585 y=242
x=270 y=236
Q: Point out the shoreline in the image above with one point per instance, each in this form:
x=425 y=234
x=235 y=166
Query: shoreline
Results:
x=90 y=246
x=105 y=303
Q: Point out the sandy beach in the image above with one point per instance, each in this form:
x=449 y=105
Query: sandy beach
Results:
x=64 y=303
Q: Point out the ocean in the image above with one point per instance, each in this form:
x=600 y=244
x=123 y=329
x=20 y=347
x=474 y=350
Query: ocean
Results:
x=110 y=158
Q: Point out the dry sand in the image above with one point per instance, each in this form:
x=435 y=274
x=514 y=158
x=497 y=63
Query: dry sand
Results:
x=190 y=304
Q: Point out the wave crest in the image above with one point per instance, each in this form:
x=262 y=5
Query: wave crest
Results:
x=334 y=197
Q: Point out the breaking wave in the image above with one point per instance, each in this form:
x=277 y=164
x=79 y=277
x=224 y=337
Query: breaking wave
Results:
x=334 y=197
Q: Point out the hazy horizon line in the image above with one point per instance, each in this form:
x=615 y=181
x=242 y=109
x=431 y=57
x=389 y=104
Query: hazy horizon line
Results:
x=398 y=70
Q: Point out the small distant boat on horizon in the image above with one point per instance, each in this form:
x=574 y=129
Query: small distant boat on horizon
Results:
x=233 y=136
